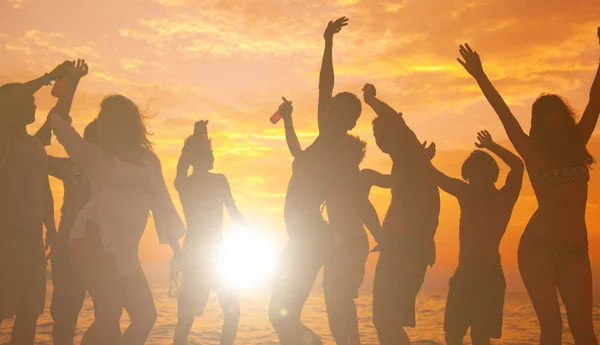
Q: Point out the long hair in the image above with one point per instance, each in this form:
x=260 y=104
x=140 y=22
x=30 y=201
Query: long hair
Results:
x=566 y=147
x=122 y=125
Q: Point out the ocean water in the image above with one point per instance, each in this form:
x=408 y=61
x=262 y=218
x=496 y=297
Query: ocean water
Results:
x=520 y=323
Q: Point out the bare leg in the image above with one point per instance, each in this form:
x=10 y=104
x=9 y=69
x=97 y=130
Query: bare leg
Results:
x=454 y=338
x=182 y=330
x=575 y=287
x=539 y=275
x=300 y=265
x=480 y=336
x=23 y=332
x=139 y=304
x=231 y=314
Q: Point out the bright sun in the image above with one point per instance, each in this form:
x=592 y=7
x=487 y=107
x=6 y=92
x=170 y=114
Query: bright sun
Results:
x=246 y=259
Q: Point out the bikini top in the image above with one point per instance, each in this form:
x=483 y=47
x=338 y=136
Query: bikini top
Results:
x=578 y=173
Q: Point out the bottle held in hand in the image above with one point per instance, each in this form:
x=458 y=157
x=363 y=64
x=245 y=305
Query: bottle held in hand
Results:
x=275 y=117
x=58 y=87
x=176 y=281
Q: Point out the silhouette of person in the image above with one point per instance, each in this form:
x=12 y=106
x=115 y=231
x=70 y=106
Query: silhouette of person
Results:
x=476 y=295
x=345 y=266
x=25 y=205
x=409 y=225
x=203 y=195
x=68 y=291
x=127 y=183
x=553 y=252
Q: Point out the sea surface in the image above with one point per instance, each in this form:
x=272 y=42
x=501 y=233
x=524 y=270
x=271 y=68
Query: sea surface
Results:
x=520 y=324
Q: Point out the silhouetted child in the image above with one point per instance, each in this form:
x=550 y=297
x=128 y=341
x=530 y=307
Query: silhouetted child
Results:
x=409 y=226
x=203 y=195
x=25 y=204
x=476 y=296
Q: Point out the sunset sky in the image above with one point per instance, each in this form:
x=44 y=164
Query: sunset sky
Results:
x=230 y=61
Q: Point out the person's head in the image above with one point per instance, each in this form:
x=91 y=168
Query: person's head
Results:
x=121 y=126
x=199 y=149
x=386 y=131
x=90 y=134
x=480 y=168
x=553 y=128
x=19 y=110
x=342 y=113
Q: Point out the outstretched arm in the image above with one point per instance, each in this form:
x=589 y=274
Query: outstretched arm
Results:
x=369 y=215
x=450 y=185
x=589 y=119
x=326 y=77
x=230 y=204
x=472 y=63
x=285 y=110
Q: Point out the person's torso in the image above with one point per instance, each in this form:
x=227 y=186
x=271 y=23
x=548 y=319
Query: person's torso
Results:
x=561 y=193
x=203 y=201
x=22 y=182
x=484 y=217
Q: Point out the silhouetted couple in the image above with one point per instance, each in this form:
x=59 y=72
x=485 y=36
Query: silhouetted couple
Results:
x=328 y=172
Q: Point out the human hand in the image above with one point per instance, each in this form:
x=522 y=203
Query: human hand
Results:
x=77 y=69
x=59 y=71
x=472 y=61
x=51 y=238
x=369 y=93
x=430 y=150
x=334 y=27
x=286 y=109
x=485 y=140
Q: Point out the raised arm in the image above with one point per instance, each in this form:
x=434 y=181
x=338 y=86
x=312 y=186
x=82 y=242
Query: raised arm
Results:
x=472 y=63
x=86 y=155
x=326 y=77
x=183 y=166
x=285 y=110
x=229 y=203
x=371 y=178
x=514 y=180
x=76 y=70
x=380 y=108
x=589 y=119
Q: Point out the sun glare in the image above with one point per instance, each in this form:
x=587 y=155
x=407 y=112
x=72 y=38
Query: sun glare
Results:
x=246 y=259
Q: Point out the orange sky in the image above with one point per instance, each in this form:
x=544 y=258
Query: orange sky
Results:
x=230 y=61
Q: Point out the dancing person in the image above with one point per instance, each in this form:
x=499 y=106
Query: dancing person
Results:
x=26 y=205
x=127 y=183
x=476 y=295
x=553 y=252
x=203 y=195
x=340 y=177
x=409 y=225
x=68 y=290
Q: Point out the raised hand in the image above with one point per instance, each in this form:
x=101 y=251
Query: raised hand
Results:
x=369 y=93
x=286 y=109
x=334 y=27
x=472 y=61
x=60 y=71
x=430 y=150
x=77 y=69
x=485 y=140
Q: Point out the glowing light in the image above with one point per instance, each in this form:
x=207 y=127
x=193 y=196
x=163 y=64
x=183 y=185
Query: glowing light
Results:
x=246 y=259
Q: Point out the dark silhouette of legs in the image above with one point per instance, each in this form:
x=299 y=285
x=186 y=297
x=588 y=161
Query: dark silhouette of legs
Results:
x=139 y=304
x=183 y=328
x=67 y=297
x=539 y=276
x=575 y=288
x=454 y=337
x=23 y=332
x=300 y=265
x=480 y=335
x=231 y=314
